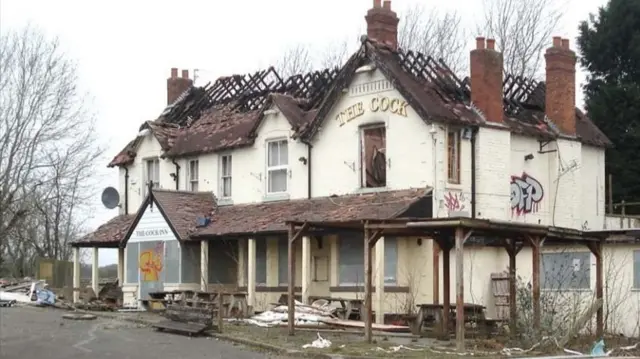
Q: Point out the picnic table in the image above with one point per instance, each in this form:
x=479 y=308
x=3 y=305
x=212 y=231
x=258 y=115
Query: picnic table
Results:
x=234 y=303
x=434 y=314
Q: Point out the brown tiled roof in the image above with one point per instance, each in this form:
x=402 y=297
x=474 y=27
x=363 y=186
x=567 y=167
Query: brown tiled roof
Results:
x=269 y=217
x=232 y=118
x=218 y=129
x=183 y=208
x=110 y=233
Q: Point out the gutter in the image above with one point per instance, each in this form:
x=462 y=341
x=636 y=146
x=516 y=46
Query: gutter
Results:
x=177 y=177
x=126 y=190
x=473 y=172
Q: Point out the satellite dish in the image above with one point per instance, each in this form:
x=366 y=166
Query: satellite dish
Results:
x=110 y=198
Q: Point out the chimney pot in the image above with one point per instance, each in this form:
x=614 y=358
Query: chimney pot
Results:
x=174 y=72
x=557 y=41
x=185 y=74
x=387 y=5
x=486 y=80
x=565 y=43
x=491 y=44
x=382 y=24
x=377 y=4
x=177 y=85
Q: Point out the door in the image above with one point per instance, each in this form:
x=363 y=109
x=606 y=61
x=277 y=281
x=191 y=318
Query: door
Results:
x=151 y=266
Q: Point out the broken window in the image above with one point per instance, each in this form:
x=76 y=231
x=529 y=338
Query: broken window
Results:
x=453 y=155
x=373 y=160
x=152 y=174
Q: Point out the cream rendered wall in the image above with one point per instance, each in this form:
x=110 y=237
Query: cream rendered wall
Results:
x=493 y=160
x=336 y=149
x=594 y=195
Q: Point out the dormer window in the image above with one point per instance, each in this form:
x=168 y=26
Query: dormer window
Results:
x=277 y=166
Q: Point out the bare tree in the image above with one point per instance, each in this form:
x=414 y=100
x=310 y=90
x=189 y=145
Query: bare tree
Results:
x=522 y=30
x=431 y=32
x=295 y=60
x=47 y=147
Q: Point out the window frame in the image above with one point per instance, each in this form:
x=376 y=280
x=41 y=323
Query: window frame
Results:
x=341 y=257
x=390 y=276
x=362 y=153
x=571 y=256
x=193 y=183
x=146 y=172
x=283 y=261
x=223 y=176
x=453 y=169
x=279 y=167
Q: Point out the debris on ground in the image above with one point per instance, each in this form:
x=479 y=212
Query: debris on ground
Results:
x=311 y=316
x=319 y=343
x=77 y=316
x=7 y=303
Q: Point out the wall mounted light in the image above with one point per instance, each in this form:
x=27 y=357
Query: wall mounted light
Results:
x=419 y=241
x=528 y=157
x=303 y=160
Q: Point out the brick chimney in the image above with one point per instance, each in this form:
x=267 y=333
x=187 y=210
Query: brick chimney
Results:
x=560 y=97
x=486 y=79
x=382 y=23
x=177 y=85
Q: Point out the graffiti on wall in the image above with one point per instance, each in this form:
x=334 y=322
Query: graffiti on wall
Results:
x=151 y=263
x=526 y=194
x=455 y=201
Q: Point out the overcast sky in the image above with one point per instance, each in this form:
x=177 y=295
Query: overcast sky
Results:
x=125 y=49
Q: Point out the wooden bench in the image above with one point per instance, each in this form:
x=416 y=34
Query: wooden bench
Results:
x=190 y=320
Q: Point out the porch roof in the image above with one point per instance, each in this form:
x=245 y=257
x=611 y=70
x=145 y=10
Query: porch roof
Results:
x=107 y=235
x=335 y=211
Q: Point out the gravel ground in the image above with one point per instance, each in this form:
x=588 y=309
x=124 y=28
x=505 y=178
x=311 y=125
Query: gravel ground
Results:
x=28 y=332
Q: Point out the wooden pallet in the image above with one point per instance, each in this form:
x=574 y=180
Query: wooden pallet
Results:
x=190 y=329
x=189 y=320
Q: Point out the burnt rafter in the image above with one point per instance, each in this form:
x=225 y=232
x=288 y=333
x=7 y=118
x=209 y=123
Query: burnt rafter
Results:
x=520 y=93
x=249 y=92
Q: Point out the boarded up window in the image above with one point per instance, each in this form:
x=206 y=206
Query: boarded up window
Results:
x=223 y=262
x=261 y=263
x=567 y=270
x=351 y=261
x=172 y=262
x=191 y=262
x=132 y=263
x=453 y=155
x=373 y=157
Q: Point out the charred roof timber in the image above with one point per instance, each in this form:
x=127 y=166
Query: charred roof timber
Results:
x=249 y=92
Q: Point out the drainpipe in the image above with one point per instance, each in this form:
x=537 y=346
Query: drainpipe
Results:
x=474 y=133
x=126 y=190
x=177 y=177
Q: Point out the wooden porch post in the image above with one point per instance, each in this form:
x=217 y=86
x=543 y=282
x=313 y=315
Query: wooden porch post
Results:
x=435 y=248
x=446 y=287
x=460 y=239
x=512 y=251
x=251 y=273
x=535 y=254
x=293 y=236
x=596 y=249
x=95 y=271
x=120 y=266
x=204 y=265
x=76 y=274
x=370 y=239
x=306 y=268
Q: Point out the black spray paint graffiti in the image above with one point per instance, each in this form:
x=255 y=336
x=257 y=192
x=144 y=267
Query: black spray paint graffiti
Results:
x=526 y=194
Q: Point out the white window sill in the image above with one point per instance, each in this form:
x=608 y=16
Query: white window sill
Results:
x=226 y=201
x=371 y=189
x=272 y=197
x=454 y=186
x=637 y=290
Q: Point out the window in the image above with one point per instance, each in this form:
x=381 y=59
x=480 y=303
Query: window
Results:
x=567 y=270
x=453 y=155
x=277 y=166
x=636 y=269
x=351 y=261
x=132 y=263
x=373 y=160
x=390 y=261
x=223 y=262
x=261 y=263
x=193 y=175
x=171 y=265
x=225 y=176
x=151 y=174
x=283 y=261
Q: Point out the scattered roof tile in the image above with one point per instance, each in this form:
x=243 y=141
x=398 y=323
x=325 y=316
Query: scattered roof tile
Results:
x=270 y=217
